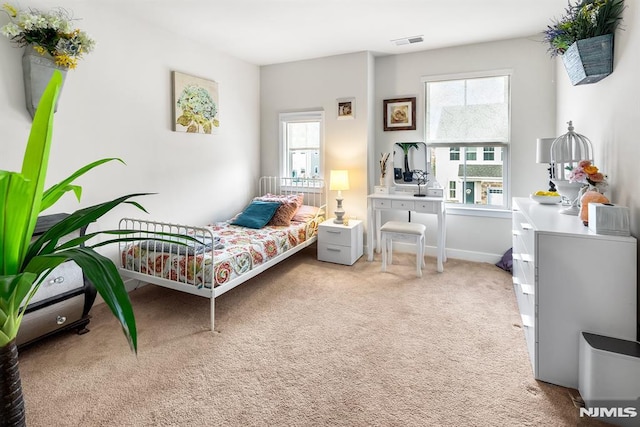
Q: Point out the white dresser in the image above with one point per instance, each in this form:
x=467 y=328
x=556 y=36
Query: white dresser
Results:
x=568 y=279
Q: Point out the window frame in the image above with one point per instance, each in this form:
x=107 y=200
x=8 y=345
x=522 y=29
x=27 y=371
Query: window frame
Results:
x=285 y=118
x=472 y=209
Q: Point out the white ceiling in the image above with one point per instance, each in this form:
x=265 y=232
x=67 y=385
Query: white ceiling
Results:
x=273 y=31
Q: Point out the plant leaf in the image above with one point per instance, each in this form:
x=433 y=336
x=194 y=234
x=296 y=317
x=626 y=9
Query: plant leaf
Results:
x=13 y=289
x=103 y=274
x=47 y=242
x=53 y=194
x=36 y=159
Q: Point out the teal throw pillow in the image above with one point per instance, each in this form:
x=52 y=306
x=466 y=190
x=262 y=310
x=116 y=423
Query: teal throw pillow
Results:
x=257 y=214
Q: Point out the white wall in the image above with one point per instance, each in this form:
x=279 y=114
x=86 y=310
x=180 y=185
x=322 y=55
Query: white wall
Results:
x=608 y=113
x=316 y=84
x=532 y=116
x=117 y=103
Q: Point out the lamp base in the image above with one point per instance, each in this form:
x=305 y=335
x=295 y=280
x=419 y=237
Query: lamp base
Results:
x=339 y=212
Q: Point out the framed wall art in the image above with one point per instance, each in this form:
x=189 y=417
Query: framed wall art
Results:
x=346 y=108
x=195 y=104
x=400 y=114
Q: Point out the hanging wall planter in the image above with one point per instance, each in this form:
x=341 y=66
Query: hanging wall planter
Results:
x=589 y=60
x=584 y=38
x=37 y=70
x=51 y=43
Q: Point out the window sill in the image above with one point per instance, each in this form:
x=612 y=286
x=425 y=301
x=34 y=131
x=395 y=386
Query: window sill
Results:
x=479 y=212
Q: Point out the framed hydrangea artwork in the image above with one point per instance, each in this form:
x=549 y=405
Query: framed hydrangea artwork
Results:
x=195 y=104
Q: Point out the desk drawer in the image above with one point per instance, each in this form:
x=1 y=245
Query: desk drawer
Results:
x=426 y=207
x=382 y=204
x=405 y=205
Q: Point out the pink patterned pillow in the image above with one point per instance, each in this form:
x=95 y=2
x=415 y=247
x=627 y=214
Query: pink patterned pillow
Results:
x=306 y=213
x=298 y=198
x=286 y=211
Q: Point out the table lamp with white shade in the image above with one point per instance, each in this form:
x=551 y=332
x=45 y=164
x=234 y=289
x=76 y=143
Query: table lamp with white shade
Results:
x=338 y=181
x=543 y=156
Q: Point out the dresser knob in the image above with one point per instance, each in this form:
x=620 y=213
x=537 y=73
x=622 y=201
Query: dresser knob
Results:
x=61 y=319
x=58 y=279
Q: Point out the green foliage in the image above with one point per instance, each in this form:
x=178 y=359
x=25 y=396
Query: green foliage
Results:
x=406 y=146
x=24 y=261
x=583 y=20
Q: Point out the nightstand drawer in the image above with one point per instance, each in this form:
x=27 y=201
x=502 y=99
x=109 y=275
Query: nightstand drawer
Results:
x=346 y=255
x=337 y=235
x=64 y=278
x=47 y=319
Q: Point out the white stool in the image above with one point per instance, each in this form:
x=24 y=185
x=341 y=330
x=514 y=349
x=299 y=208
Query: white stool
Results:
x=408 y=231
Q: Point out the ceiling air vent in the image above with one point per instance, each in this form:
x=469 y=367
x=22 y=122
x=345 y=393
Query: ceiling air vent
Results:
x=408 y=40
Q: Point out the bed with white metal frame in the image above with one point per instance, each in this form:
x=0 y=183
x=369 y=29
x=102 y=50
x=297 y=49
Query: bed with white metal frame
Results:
x=314 y=195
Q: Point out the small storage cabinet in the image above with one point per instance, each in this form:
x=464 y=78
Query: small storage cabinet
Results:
x=568 y=280
x=63 y=300
x=340 y=244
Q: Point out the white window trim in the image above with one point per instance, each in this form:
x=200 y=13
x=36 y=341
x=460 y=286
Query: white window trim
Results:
x=302 y=116
x=473 y=210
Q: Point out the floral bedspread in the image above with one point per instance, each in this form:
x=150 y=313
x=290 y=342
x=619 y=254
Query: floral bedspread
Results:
x=238 y=251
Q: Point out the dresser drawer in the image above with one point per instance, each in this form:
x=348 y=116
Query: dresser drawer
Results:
x=523 y=230
x=64 y=278
x=525 y=296
x=48 y=319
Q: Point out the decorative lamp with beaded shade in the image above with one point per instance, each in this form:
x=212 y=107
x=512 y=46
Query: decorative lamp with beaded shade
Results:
x=566 y=152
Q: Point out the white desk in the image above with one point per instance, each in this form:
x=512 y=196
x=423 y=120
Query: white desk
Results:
x=405 y=202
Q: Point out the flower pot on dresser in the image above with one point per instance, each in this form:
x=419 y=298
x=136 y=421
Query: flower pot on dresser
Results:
x=589 y=60
x=37 y=70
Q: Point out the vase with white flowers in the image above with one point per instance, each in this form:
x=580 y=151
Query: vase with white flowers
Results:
x=50 y=41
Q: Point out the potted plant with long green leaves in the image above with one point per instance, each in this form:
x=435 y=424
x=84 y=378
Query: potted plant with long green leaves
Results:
x=407 y=175
x=25 y=261
x=583 y=37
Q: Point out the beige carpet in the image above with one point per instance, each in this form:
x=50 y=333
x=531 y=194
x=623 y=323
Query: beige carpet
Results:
x=305 y=344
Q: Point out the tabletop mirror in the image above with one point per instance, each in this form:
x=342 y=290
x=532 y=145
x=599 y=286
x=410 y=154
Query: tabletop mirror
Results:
x=410 y=166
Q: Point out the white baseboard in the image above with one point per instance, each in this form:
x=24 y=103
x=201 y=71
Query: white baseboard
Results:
x=451 y=253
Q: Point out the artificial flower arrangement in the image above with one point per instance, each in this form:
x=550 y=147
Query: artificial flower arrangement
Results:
x=48 y=32
x=583 y=20
x=588 y=174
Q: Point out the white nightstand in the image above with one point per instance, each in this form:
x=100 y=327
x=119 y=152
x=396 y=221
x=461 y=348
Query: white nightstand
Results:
x=340 y=244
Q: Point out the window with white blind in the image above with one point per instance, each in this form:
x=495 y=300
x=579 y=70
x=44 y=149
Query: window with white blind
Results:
x=301 y=136
x=467 y=130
